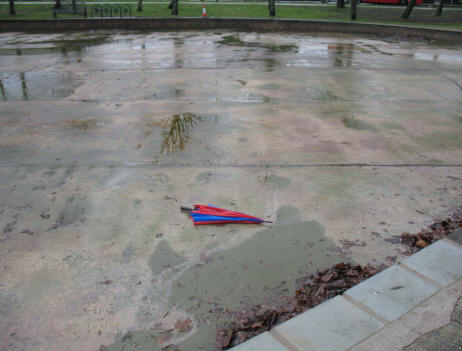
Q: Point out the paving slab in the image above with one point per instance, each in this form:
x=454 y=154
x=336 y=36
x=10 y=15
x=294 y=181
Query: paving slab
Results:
x=434 y=312
x=441 y=262
x=392 y=292
x=263 y=341
x=334 y=325
x=456 y=236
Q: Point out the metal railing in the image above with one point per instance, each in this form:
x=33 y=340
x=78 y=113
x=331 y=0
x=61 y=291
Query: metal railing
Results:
x=107 y=10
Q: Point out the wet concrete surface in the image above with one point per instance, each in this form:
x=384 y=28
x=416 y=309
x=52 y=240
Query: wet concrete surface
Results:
x=103 y=136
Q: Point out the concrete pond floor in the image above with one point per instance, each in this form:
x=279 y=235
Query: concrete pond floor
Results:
x=343 y=141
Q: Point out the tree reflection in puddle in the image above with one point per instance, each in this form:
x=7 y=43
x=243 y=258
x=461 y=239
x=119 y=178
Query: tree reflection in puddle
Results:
x=175 y=132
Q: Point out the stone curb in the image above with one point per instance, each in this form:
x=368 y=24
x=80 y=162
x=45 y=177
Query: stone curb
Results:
x=241 y=24
x=344 y=321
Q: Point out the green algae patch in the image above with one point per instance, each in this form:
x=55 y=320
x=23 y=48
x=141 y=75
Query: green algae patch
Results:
x=440 y=140
x=82 y=124
x=270 y=63
x=393 y=125
x=232 y=40
x=319 y=94
x=279 y=181
x=164 y=257
x=282 y=48
x=353 y=123
x=235 y=40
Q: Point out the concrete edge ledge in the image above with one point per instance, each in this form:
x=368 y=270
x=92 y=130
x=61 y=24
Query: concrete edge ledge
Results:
x=240 y=24
x=367 y=308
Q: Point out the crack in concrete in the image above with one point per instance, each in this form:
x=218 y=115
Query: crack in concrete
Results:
x=240 y=101
x=453 y=81
x=230 y=165
x=371 y=68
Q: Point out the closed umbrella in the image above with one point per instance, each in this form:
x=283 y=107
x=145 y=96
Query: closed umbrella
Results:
x=202 y=214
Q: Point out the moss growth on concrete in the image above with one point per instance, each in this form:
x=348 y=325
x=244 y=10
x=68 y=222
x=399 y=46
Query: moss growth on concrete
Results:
x=235 y=40
x=357 y=124
x=319 y=94
x=83 y=124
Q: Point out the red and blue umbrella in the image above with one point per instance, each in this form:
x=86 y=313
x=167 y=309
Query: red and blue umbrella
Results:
x=202 y=214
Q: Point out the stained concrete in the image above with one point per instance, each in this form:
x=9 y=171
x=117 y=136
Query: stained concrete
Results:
x=98 y=149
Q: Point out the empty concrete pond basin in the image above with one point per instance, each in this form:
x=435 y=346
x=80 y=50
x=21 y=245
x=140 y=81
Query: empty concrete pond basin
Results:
x=342 y=141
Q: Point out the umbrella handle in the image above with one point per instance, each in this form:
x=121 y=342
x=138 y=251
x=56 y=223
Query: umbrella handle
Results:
x=183 y=208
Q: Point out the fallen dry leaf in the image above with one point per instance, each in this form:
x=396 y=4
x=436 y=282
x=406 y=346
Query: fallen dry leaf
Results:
x=184 y=326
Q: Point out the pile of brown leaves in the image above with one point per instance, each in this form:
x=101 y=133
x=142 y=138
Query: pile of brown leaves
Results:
x=311 y=291
x=436 y=231
x=314 y=289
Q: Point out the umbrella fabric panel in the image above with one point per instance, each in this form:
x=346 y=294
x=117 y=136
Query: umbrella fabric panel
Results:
x=223 y=222
x=220 y=212
x=202 y=214
x=202 y=217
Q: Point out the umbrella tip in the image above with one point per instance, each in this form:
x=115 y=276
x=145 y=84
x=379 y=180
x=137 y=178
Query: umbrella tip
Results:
x=184 y=208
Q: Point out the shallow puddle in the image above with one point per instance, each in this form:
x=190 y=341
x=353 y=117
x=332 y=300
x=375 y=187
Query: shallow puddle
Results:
x=17 y=86
x=256 y=270
x=176 y=132
x=235 y=40
x=58 y=46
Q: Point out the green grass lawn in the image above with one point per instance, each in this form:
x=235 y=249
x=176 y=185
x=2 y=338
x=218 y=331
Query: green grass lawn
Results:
x=419 y=17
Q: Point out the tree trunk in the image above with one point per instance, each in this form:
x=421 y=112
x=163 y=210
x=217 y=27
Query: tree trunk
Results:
x=341 y=4
x=25 y=95
x=74 y=5
x=2 y=89
x=58 y=4
x=272 y=7
x=440 y=8
x=140 y=5
x=408 y=10
x=12 y=9
x=354 y=10
x=174 y=4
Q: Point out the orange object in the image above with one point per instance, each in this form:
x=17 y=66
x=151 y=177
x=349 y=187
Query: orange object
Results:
x=204 y=11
